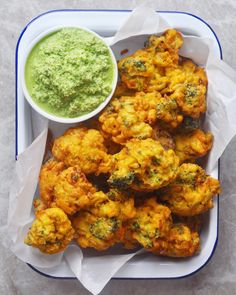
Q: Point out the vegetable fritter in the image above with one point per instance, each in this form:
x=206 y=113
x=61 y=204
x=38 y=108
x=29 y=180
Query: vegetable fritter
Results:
x=136 y=70
x=50 y=232
x=101 y=225
x=180 y=242
x=83 y=147
x=73 y=191
x=188 y=85
x=47 y=180
x=192 y=191
x=165 y=48
x=143 y=165
x=112 y=204
x=96 y=232
x=192 y=145
x=133 y=116
x=143 y=70
x=152 y=221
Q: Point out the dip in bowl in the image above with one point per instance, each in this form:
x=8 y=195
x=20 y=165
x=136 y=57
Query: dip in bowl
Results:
x=69 y=74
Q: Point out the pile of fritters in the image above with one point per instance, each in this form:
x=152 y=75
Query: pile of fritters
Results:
x=131 y=176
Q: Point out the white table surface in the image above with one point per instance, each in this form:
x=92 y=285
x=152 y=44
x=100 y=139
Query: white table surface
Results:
x=219 y=276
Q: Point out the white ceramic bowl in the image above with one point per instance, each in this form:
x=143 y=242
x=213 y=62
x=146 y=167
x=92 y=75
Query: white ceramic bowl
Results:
x=53 y=117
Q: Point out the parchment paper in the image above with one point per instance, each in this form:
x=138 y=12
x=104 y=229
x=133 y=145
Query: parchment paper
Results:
x=220 y=119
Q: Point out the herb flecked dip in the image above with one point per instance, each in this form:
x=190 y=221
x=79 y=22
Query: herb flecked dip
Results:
x=69 y=73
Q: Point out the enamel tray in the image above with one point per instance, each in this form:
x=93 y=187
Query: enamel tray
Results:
x=106 y=23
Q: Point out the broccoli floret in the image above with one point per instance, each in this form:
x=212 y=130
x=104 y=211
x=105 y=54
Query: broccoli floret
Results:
x=123 y=182
x=190 y=124
x=104 y=227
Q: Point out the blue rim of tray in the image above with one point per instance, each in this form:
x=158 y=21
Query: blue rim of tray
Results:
x=16 y=131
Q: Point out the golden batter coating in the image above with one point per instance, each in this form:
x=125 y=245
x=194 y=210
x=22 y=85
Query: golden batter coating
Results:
x=50 y=232
x=133 y=116
x=136 y=70
x=130 y=117
x=73 y=191
x=188 y=86
x=96 y=232
x=47 y=180
x=101 y=225
x=152 y=222
x=165 y=48
x=192 y=145
x=180 y=242
x=113 y=204
x=83 y=147
x=192 y=191
x=143 y=165
x=143 y=70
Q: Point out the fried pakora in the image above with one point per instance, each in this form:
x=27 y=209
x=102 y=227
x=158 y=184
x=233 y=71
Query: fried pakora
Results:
x=143 y=165
x=165 y=48
x=192 y=145
x=192 y=192
x=151 y=222
x=180 y=242
x=133 y=116
x=50 y=232
x=96 y=232
x=188 y=86
x=73 y=191
x=136 y=70
x=83 y=147
x=47 y=180
x=143 y=70
x=101 y=225
x=113 y=204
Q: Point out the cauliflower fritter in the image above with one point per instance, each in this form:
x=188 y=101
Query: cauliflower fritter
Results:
x=180 y=242
x=130 y=117
x=47 y=180
x=73 y=191
x=192 y=191
x=96 y=232
x=101 y=226
x=152 y=221
x=188 y=85
x=113 y=204
x=143 y=165
x=143 y=70
x=192 y=145
x=83 y=147
x=50 y=232
x=165 y=48
x=133 y=116
x=136 y=69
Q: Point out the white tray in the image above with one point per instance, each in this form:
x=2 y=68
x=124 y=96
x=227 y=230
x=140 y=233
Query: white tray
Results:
x=106 y=23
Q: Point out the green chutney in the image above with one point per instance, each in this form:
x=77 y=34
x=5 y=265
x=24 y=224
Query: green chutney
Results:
x=69 y=73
